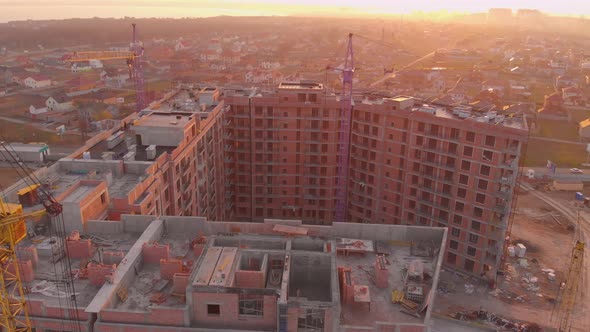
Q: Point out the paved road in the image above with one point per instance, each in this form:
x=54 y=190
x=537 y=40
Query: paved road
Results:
x=581 y=319
x=384 y=78
x=560 y=173
x=556 y=140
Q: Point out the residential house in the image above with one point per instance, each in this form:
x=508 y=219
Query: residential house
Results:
x=59 y=103
x=270 y=65
x=218 y=66
x=95 y=64
x=114 y=77
x=573 y=96
x=564 y=81
x=181 y=45
x=230 y=57
x=258 y=77
x=78 y=67
x=37 y=81
x=584 y=130
x=519 y=93
x=553 y=108
x=495 y=85
x=36 y=109
x=81 y=85
x=210 y=55
x=458 y=94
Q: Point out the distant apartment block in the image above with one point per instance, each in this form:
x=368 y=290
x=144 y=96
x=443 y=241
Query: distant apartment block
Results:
x=249 y=155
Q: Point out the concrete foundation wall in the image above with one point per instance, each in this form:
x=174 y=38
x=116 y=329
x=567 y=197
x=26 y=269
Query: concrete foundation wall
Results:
x=137 y=167
x=87 y=165
x=104 y=227
x=125 y=272
x=229 y=316
x=197 y=225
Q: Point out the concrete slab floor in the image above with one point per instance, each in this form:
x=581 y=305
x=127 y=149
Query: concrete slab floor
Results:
x=382 y=309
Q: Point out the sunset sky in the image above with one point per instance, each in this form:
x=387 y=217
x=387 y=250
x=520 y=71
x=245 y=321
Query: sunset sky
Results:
x=56 y=9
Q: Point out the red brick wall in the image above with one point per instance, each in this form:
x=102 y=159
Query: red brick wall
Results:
x=249 y=279
x=167 y=316
x=153 y=253
x=79 y=249
x=28 y=253
x=292 y=316
x=168 y=267
x=27 y=273
x=99 y=273
x=179 y=283
x=412 y=329
x=198 y=249
x=229 y=317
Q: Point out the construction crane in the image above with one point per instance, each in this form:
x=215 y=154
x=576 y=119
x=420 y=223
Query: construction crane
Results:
x=345 y=119
x=568 y=297
x=134 y=58
x=14 y=316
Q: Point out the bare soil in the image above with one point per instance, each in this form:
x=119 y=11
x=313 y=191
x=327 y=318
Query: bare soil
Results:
x=548 y=245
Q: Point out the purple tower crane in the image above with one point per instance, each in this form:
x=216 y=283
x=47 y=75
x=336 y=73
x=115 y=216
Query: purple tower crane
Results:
x=344 y=145
x=137 y=71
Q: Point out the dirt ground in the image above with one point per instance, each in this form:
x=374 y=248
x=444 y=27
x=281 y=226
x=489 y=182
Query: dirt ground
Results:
x=8 y=176
x=548 y=243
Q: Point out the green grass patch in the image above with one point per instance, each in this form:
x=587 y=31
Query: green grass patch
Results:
x=22 y=133
x=562 y=154
x=558 y=129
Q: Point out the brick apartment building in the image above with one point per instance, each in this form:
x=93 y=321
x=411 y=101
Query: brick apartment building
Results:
x=410 y=163
x=255 y=155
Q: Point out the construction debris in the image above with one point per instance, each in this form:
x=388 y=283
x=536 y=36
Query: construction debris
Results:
x=158 y=298
x=495 y=320
x=49 y=289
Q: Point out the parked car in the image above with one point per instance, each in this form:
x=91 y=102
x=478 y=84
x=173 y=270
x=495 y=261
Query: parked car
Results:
x=576 y=171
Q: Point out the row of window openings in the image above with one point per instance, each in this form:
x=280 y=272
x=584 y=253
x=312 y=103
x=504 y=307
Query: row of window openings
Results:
x=471 y=251
x=445 y=202
x=487 y=155
x=457 y=219
x=470 y=136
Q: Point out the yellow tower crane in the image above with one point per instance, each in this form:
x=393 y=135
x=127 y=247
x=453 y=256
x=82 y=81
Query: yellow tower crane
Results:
x=568 y=297
x=13 y=229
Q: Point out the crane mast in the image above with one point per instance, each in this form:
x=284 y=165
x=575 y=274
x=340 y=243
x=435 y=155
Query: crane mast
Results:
x=137 y=66
x=134 y=58
x=344 y=144
x=568 y=298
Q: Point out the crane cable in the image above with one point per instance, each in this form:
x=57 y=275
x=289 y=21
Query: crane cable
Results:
x=60 y=227
x=25 y=179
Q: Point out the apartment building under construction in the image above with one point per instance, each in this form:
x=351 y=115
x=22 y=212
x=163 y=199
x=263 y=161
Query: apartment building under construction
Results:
x=248 y=155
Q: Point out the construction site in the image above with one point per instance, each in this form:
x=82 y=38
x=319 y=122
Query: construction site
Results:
x=291 y=208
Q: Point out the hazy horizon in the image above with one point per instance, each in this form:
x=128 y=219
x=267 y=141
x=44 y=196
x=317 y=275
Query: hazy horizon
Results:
x=14 y=10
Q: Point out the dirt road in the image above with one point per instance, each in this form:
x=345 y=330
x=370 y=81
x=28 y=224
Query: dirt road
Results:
x=581 y=314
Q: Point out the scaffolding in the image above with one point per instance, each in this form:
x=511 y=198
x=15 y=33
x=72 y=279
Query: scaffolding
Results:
x=251 y=304
x=311 y=320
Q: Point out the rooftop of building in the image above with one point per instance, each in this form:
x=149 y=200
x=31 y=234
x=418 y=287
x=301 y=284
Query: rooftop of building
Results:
x=303 y=85
x=148 y=282
x=160 y=119
x=188 y=99
x=79 y=193
x=28 y=147
x=147 y=263
x=50 y=273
